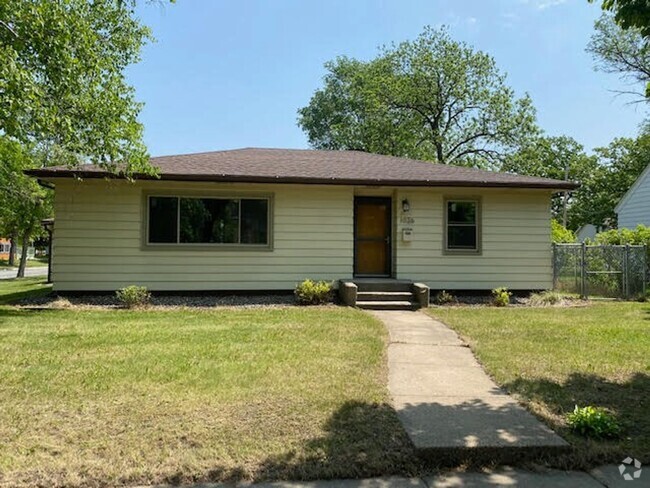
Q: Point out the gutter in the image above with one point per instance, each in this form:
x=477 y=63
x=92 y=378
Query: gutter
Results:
x=559 y=185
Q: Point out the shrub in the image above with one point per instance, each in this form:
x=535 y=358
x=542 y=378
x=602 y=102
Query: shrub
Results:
x=444 y=298
x=311 y=292
x=501 y=296
x=638 y=236
x=561 y=234
x=133 y=296
x=594 y=422
x=547 y=297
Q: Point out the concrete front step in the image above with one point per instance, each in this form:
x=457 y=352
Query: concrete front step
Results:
x=385 y=296
x=389 y=285
x=387 y=305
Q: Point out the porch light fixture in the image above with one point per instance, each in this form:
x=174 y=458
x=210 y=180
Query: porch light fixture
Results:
x=406 y=206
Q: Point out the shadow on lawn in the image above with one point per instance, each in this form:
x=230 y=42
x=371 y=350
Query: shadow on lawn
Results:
x=629 y=401
x=16 y=296
x=363 y=440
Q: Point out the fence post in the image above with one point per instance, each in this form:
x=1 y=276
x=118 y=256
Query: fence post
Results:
x=626 y=272
x=583 y=271
x=554 y=258
x=645 y=267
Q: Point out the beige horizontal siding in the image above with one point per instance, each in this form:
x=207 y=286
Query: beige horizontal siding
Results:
x=99 y=228
x=516 y=248
x=98 y=240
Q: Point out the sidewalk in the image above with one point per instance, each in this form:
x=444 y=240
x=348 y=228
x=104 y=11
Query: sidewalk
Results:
x=606 y=476
x=448 y=405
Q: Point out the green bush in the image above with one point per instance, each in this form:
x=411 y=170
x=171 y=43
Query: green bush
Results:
x=444 y=298
x=133 y=296
x=593 y=422
x=560 y=234
x=311 y=292
x=639 y=236
x=501 y=296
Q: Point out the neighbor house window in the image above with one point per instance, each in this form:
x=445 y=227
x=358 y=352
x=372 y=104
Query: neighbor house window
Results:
x=463 y=228
x=208 y=220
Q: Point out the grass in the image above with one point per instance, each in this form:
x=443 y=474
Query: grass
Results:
x=555 y=358
x=17 y=288
x=103 y=398
x=31 y=263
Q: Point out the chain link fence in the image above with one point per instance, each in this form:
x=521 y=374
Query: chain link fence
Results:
x=605 y=271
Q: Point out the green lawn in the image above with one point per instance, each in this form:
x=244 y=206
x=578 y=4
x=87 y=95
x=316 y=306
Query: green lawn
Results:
x=17 y=288
x=554 y=358
x=99 y=398
x=31 y=263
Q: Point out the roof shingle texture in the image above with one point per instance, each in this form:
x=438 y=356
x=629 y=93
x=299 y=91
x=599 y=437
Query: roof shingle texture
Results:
x=315 y=167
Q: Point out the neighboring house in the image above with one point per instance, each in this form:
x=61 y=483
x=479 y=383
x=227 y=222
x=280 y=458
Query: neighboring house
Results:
x=265 y=219
x=634 y=207
x=587 y=231
x=5 y=248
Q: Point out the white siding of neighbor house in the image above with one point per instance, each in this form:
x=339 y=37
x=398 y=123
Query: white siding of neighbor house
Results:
x=98 y=243
x=634 y=208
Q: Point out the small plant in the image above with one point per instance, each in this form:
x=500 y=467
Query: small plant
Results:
x=545 y=298
x=311 y=292
x=593 y=422
x=644 y=296
x=133 y=296
x=501 y=297
x=444 y=298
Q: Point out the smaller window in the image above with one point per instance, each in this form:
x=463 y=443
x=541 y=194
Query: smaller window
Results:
x=462 y=220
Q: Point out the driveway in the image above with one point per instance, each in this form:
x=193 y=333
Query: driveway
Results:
x=9 y=273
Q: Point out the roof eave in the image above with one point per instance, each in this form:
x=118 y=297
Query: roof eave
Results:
x=555 y=185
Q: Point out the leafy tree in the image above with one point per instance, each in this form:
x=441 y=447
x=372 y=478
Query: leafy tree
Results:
x=621 y=51
x=630 y=14
x=560 y=158
x=619 y=165
x=62 y=78
x=560 y=234
x=432 y=98
x=23 y=203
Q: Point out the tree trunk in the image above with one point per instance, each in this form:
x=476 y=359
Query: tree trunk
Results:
x=23 y=256
x=12 y=251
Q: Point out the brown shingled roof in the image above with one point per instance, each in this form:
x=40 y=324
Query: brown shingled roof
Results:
x=314 y=167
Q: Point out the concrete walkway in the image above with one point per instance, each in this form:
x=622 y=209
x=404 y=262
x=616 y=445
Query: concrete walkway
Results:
x=445 y=400
x=505 y=476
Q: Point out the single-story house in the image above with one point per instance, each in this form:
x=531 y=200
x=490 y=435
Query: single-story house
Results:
x=265 y=219
x=634 y=207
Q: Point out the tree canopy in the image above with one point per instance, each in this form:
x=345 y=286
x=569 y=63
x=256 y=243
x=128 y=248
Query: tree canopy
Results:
x=630 y=14
x=62 y=78
x=23 y=203
x=619 y=165
x=432 y=98
x=560 y=158
x=621 y=51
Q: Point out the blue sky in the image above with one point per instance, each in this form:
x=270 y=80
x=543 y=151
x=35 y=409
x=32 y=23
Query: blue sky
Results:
x=225 y=74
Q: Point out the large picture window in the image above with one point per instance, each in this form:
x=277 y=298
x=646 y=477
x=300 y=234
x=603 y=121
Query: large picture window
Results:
x=208 y=220
x=463 y=226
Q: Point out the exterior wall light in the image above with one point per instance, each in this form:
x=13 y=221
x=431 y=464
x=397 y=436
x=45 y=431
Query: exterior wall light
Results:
x=406 y=206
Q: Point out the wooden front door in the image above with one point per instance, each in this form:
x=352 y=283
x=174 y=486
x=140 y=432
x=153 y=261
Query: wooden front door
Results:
x=372 y=236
